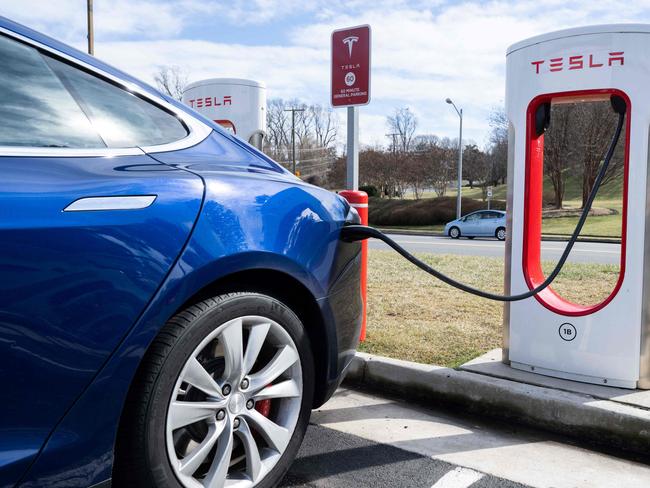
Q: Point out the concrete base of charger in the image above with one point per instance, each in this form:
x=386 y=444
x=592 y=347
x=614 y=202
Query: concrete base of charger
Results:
x=608 y=416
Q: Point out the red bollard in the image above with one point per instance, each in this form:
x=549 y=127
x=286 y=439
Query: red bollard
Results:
x=359 y=200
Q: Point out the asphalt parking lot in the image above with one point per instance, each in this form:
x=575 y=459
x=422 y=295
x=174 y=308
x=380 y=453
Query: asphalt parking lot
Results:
x=334 y=459
x=361 y=440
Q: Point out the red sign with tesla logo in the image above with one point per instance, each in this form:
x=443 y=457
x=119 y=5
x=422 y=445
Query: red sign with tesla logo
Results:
x=351 y=66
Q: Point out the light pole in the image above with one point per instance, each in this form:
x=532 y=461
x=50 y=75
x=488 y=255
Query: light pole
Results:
x=293 y=111
x=91 y=29
x=460 y=158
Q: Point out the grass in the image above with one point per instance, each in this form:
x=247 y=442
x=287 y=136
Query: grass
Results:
x=596 y=226
x=573 y=191
x=415 y=317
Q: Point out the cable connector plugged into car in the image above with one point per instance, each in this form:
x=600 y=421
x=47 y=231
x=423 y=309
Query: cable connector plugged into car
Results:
x=352 y=217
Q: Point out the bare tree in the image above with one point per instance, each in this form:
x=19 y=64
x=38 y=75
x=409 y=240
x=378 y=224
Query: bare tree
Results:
x=559 y=149
x=171 y=80
x=326 y=125
x=416 y=172
x=498 y=148
x=595 y=124
x=403 y=123
x=303 y=124
x=442 y=168
x=476 y=166
x=315 y=134
x=278 y=129
x=575 y=142
x=439 y=161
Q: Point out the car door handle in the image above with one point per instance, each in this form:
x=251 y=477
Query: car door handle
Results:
x=121 y=202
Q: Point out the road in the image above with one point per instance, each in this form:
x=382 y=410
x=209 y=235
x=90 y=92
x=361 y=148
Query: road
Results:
x=363 y=440
x=583 y=252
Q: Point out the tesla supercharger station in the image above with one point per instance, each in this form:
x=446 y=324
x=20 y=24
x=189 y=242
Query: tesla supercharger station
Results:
x=237 y=105
x=606 y=343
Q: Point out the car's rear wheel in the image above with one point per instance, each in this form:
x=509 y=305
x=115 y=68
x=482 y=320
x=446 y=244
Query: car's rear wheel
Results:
x=500 y=233
x=223 y=397
x=454 y=232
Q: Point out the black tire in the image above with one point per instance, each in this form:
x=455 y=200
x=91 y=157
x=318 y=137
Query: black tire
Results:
x=500 y=233
x=141 y=456
x=454 y=233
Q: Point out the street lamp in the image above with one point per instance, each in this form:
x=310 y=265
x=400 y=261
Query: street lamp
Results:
x=460 y=157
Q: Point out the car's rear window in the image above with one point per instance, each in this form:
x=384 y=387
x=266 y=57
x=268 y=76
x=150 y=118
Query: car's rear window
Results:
x=45 y=102
x=35 y=108
x=121 y=118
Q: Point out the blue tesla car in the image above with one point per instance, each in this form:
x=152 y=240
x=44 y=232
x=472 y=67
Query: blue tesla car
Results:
x=484 y=223
x=172 y=303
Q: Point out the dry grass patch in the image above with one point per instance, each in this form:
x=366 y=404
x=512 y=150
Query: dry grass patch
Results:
x=413 y=316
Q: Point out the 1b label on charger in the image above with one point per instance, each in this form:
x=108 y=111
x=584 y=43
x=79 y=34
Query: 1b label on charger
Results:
x=568 y=332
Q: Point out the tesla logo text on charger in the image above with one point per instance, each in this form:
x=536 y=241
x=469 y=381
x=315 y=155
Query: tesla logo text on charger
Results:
x=210 y=101
x=586 y=61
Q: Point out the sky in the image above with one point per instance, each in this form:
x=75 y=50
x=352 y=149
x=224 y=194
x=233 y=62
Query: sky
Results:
x=422 y=51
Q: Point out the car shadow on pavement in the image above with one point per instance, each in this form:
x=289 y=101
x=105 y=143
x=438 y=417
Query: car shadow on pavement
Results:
x=332 y=459
x=335 y=459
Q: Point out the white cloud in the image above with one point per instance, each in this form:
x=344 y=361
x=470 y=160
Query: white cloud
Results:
x=66 y=19
x=262 y=11
x=423 y=51
x=201 y=59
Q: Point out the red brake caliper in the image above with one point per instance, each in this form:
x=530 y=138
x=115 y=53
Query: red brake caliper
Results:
x=264 y=406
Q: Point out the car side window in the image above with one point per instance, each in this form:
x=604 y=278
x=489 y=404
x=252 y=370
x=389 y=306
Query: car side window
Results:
x=472 y=217
x=122 y=119
x=35 y=108
x=490 y=215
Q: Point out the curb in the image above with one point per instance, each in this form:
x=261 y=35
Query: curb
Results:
x=545 y=237
x=577 y=415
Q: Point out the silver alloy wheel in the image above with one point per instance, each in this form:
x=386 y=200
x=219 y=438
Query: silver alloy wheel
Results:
x=501 y=234
x=454 y=232
x=214 y=438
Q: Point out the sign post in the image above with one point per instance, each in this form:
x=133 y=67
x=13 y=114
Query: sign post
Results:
x=352 y=169
x=489 y=196
x=350 y=86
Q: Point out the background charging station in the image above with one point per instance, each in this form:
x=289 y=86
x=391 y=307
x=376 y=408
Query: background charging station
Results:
x=236 y=104
x=606 y=343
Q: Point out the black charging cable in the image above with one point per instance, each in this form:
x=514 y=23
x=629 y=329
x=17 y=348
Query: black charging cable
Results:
x=353 y=233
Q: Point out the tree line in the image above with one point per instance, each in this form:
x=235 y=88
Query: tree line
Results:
x=575 y=143
x=411 y=162
x=316 y=130
x=420 y=163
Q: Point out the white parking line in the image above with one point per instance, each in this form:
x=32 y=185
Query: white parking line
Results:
x=458 y=478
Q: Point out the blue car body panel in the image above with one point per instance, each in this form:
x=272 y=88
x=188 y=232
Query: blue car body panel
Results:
x=252 y=219
x=73 y=283
x=83 y=294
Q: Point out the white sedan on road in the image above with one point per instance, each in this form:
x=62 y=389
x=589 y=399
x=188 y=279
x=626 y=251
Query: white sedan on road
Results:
x=483 y=223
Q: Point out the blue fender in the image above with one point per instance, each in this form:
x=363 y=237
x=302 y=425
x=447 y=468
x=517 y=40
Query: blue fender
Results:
x=250 y=220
